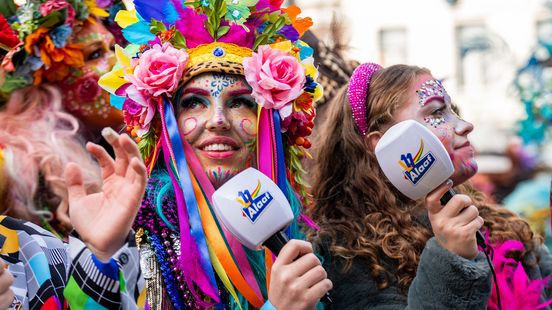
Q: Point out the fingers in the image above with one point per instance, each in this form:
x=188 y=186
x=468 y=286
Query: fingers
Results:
x=433 y=202
x=313 y=276
x=320 y=289
x=121 y=158
x=107 y=164
x=73 y=179
x=475 y=225
x=139 y=178
x=467 y=215
x=304 y=264
x=292 y=250
x=456 y=205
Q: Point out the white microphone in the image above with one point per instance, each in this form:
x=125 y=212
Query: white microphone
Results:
x=255 y=211
x=415 y=161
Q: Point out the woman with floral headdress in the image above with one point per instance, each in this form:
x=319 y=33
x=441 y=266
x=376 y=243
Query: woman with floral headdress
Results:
x=211 y=88
x=66 y=43
x=40 y=53
x=384 y=251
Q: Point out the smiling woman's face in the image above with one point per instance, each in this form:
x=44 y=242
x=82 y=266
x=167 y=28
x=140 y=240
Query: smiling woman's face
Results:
x=218 y=117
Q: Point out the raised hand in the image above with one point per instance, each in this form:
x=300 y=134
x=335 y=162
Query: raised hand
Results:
x=298 y=280
x=456 y=223
x=103 y=220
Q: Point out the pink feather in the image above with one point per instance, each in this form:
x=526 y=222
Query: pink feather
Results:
x=517 y=291
x=192 y=27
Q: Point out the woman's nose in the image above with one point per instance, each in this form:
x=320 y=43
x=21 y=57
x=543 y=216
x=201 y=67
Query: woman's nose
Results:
x=463 y=127
x=218 y=119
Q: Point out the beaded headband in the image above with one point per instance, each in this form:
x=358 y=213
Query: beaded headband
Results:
x=358 y=91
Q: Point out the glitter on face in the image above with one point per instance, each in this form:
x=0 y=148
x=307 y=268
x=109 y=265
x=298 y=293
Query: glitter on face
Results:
x=429 y=90
x=434 y=121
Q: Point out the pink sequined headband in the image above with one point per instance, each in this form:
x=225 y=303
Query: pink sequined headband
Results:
x=359 y=86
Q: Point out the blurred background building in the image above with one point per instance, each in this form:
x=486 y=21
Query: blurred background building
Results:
x=479 y=49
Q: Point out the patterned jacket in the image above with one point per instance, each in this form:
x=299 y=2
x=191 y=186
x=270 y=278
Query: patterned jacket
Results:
x=51 y=274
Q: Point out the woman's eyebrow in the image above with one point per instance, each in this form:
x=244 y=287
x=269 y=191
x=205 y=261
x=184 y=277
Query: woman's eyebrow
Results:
x=239 y=92
x=196 y=91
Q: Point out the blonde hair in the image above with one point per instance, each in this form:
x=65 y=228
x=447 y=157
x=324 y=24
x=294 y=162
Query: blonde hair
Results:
x=39 y=139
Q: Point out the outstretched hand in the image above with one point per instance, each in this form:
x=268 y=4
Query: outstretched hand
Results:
x=103 y=220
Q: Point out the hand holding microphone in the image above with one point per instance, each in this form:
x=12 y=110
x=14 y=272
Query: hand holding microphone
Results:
x=417 y=164
x=255 y=211
x=455 y=224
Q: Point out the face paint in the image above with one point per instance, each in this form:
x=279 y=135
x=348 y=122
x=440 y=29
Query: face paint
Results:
x=188 y=125
x=219 y=82
x=218 y=117
x=248 y=127
x=429 y=103
x=82 y=96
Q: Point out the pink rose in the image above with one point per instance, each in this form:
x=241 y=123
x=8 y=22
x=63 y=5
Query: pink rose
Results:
x=87 y=88
x=159 y=69
x=276 y=77
x=139 y=109
x=55 y=5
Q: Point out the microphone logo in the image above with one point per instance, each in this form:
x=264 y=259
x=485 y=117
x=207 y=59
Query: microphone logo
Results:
x=254 y=203
x=415 y=167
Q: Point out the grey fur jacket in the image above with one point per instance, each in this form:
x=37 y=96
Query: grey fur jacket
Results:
x=443 y=281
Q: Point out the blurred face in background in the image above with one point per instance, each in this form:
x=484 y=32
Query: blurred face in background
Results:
x=82 y=96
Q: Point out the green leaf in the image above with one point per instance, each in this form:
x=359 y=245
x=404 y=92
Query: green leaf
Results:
x=222 y=31
x=7 y=8
x=52 y=19
x=157 y=26
x=210 y=28
x=178 y=40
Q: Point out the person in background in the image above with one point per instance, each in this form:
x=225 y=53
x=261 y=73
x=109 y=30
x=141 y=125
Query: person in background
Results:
x=384 y=251
x=66 y=44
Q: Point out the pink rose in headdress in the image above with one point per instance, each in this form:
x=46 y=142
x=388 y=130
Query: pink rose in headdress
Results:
x=276 y=77
x=159 y=70
x=139 y=109
x=55 y=5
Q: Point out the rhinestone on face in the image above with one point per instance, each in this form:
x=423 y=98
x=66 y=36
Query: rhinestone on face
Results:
x=235 y=2
x=429 y=89
x=218 y=51
x=236 y=14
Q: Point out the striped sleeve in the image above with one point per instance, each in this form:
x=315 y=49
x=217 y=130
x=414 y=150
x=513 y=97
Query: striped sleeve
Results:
x=93 y=284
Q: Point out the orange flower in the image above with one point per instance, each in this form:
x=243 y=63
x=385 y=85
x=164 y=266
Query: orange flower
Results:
x=300 y=24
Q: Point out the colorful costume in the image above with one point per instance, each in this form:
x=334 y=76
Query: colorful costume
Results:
x=49 y=274
x=188 y=259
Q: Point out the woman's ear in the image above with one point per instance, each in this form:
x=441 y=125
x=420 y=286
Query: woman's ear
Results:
x=372 y=139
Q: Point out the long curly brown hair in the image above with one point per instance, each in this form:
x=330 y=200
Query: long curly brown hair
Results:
x=359 y=212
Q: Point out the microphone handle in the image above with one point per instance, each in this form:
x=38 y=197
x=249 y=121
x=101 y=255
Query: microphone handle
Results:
x=275 y=244
x=478 y=235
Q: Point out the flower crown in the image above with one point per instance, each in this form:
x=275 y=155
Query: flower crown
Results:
x=228 y=36
x=34 y=39
x=173 y=41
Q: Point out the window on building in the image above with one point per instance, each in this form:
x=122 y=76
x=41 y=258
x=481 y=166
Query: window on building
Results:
x=392 y=46
x=472 y=43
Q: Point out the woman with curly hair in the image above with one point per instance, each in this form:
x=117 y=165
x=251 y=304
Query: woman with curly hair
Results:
x=383 y=250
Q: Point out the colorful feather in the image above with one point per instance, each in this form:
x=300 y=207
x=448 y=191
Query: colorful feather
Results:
x=517 y=290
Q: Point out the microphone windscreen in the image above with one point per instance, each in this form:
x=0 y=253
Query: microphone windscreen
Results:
x=413 y=159
x=252 y=207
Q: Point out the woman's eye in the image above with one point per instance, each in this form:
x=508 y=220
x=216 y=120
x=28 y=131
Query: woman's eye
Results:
x=439 y=111
x=242 y=102
x=95 y=54
x=192 y=103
